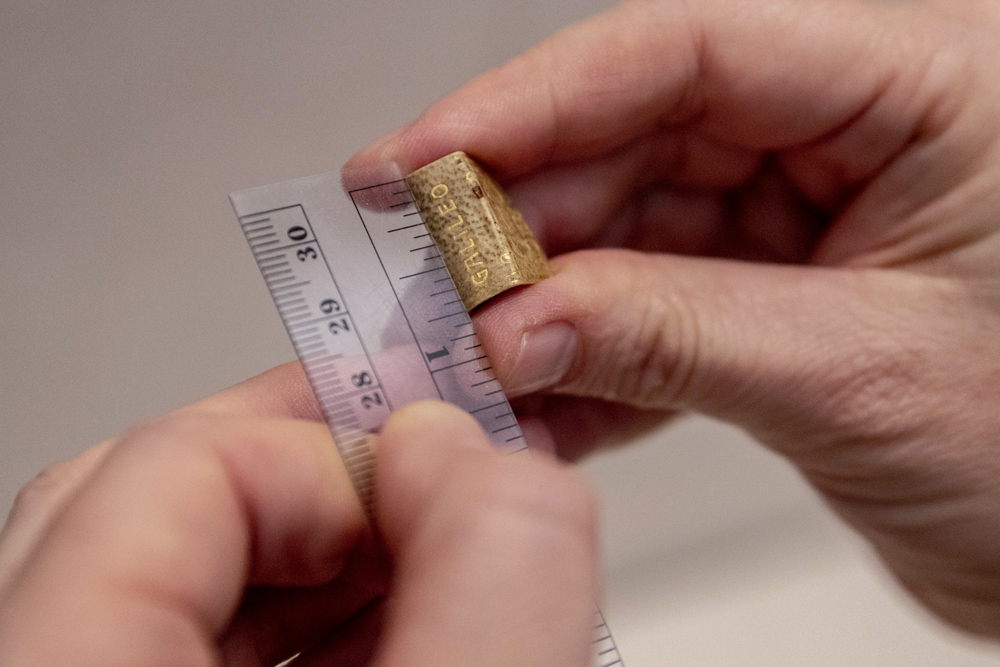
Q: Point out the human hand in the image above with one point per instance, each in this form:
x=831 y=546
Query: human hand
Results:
x=228 y=534
x=815 y=189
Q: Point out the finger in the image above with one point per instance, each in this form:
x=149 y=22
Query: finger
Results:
x=571 y=206
x=752 y=211
x=496 y=556
x=781 y=350
x=767 y=75
x=149 y=562
x=37 y=503
x=568 y=206
x=274 y=624
x=281 y=392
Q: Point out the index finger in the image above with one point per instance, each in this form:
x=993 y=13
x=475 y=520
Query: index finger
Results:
x=767 y=75
x=160 y=543
x=282 y=392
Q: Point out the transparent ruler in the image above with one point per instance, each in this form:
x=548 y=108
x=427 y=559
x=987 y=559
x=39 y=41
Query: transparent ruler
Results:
x=373 y=314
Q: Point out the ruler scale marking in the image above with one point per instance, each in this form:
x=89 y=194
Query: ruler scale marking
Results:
x=399 y=344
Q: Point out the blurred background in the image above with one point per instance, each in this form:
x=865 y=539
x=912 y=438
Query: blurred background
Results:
x=126 y=290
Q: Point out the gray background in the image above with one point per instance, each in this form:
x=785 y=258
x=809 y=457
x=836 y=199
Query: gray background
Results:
x=126 y=290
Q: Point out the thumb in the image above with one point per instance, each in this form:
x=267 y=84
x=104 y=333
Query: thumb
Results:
x=496 y=555
x=879 y=384
x=786 y=352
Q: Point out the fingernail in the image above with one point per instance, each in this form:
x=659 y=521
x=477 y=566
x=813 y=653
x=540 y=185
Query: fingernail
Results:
x=546 y=354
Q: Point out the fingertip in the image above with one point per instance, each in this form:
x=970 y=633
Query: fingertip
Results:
x=379 y=150
x=409 y=147
x=421 y=438
x=432 y=424
x=414 y=450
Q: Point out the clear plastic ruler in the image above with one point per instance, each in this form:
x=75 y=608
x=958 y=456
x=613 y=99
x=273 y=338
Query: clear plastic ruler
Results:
x=373 y=314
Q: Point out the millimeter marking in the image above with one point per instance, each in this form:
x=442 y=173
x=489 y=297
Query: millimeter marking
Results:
x=319 y=249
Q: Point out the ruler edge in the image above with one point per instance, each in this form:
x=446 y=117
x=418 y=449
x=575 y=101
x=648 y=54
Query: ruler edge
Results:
x=366 y=493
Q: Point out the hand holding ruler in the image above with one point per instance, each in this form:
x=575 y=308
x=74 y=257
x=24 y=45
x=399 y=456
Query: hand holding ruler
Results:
x=374 y=314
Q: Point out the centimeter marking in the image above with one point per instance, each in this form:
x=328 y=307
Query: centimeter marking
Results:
x=338 y=363
x=322 y=331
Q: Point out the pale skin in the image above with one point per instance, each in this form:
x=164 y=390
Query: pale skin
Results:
x=781 y=213
x=227 y=533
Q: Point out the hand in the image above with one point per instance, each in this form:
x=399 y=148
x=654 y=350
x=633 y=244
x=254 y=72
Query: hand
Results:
x=813 y=189
x=228 y=533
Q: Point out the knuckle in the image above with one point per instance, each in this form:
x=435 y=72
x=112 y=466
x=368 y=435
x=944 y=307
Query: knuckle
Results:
x=41 y=490
x=652 y=339
x=666 y=350
x=184 y=439
x=55 y=481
